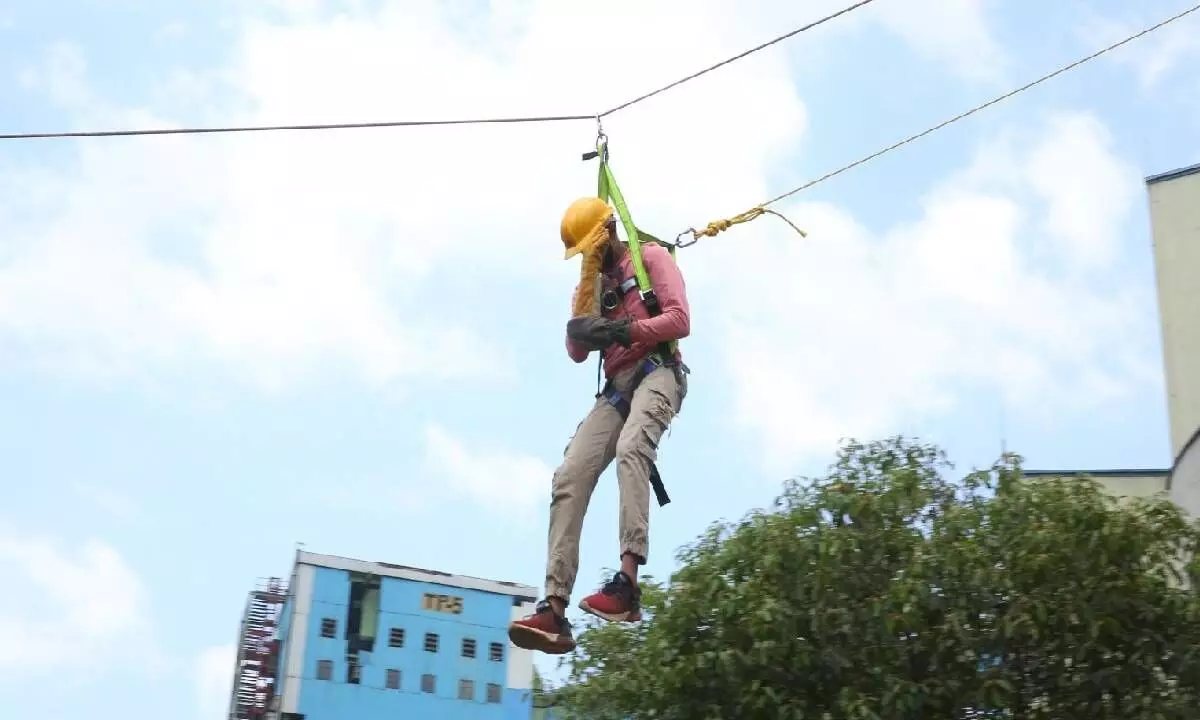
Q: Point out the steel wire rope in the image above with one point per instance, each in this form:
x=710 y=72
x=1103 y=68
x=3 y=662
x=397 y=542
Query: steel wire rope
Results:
x=427 y=123
x=276 y=128
x=735 y=58
x=983 y=106
x=718 y=226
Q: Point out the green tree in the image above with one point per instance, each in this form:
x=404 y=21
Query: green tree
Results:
x=540 y=699
x=885 y=591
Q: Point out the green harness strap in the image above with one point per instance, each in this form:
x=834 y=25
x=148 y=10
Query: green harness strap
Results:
x=608 y=191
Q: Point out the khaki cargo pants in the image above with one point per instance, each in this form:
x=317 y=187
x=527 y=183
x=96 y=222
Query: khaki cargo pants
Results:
x=599 y=439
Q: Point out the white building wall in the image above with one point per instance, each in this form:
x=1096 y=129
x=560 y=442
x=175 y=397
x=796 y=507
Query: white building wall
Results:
x=520 y=661
x=1133 y=485
x=292 y=670
x=1175 y=227
x=1121 y=484
x=1185 y=478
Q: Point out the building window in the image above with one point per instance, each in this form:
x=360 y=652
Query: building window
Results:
x=431 y=642
x=493 y=693
x=396 y=637
x=466 y=689
x=428 y=683
x=468 y=647
x=495 y=652
x=324 y=669
x=393 y=680
x=328 y=627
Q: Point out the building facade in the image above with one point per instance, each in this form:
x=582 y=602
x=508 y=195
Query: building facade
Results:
x=366 y=640
x=1119 y=483
x=1175 y=226
x=1174 y=203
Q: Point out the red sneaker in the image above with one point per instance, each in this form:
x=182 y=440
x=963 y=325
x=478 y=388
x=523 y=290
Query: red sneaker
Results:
x=544 y=630
x=618 y=601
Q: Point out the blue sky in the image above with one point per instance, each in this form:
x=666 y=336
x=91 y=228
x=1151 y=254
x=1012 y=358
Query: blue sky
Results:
x=214 y=347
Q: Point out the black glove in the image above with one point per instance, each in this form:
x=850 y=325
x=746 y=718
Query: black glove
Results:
x=598 y=333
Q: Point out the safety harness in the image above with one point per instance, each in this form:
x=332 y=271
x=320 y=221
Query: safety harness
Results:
x=664 y=354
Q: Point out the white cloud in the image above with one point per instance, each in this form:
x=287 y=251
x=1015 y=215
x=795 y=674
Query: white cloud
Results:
x=1088 y=191
x=280 y=256
x=998 y=285
x=1155 y=56
x=60 y=75
x=487 y=476
x=381 y=494
x=964 y=45
x=277 y=257
x=171 y=32
x=113 y=502
x=214 y=681
x=74 y=610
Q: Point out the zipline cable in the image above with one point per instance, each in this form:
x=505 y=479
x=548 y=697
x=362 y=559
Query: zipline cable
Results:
x=735 y=58
x=718 y=226
x=983 y=106
x=426 y=123
x=274 y=128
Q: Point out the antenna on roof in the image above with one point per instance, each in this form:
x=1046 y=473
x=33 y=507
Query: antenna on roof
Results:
x=1003 y=438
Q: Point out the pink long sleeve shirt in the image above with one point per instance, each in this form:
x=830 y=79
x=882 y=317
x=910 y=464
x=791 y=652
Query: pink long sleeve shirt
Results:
x=674 y=323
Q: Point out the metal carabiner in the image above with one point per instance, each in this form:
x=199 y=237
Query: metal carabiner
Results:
x=679 y=243
x=601 y=140
x=601 y=150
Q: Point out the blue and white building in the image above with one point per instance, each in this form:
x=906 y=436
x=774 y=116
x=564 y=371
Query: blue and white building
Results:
x=366 y=640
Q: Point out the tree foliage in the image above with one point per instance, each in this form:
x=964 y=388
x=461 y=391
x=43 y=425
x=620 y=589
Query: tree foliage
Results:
x=884 y=591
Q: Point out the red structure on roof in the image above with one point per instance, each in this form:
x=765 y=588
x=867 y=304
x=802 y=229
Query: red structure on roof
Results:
x=255 y=673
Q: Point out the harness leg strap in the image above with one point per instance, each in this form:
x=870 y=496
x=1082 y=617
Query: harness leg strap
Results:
x=660 y=491
x=621 y=405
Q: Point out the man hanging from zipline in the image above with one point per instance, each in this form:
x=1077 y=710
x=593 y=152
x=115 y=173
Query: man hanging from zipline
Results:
x=630 y=306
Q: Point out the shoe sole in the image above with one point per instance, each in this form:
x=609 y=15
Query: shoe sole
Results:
x=528 y=638
x=627 y=616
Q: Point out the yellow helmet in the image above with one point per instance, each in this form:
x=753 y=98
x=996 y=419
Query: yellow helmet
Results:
x=582 y=227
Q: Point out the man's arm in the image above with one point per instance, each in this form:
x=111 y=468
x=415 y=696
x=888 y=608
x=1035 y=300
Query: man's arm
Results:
x=575 y=350
x=675 y=322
